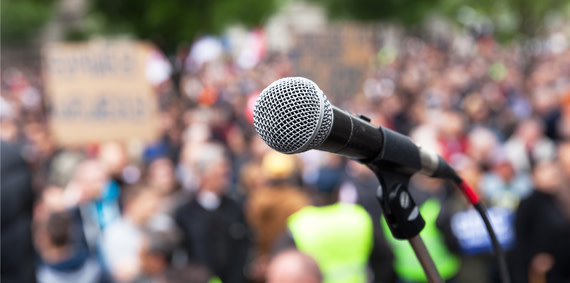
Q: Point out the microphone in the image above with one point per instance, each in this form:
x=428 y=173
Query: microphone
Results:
x=293 y=115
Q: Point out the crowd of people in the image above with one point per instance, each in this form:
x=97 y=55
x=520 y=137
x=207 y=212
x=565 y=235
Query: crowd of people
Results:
x=210 y=202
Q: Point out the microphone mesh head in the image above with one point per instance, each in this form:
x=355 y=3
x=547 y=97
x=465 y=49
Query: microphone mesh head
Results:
x=293 y=115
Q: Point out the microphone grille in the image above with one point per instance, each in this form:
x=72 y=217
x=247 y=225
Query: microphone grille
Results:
x=293 y=115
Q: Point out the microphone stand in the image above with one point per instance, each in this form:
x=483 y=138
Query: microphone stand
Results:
x=393 y=168
x=403 y=215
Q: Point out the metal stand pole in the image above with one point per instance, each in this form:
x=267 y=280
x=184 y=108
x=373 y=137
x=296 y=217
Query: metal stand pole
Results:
x=425 y=260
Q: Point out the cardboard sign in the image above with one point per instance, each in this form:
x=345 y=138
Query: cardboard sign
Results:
x=98 y=92
x=336 y=59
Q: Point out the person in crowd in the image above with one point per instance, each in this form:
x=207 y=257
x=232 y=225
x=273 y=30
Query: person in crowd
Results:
x=293 y=266
x=62 y=167
x=558 y=120
x=339 y=236
x=38 y=150
x=62 y=259
x=269 y=206
x=161 y=176
x=451 y=134
x=94 y=199
x=483 y=144
x=503 y=186
x=213 y=225
x=113 y=157
x=196 y=134
x=529 y=145
x=542 y=251
x=157 y=253
x=18 y=253
x=237 y=141
x=122 y=241
x=251 y=178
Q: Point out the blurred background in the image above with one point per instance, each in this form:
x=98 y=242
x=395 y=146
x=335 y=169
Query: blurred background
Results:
x=129 y=152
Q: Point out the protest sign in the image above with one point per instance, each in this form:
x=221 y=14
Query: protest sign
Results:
x=336 y=59
x=97 y=91
x=472 y=236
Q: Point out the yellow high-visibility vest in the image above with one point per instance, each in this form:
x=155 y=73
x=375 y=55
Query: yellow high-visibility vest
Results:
x=339 y=237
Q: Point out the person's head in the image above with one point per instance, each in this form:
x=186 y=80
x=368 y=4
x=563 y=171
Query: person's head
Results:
x=113 y=156
x=279 y=168
x=38 y=135
x=483 y=144
x=141 y=203
x=502 y=166
x=476 y=107
x=293 y=266
x=530 y=131
x=251 y=177
x=90 y=177
x=548 y=177
x=212 y=167
x=452 y=125
x=161 y=175
x=330 y=178
x=58 y=229
x=157 y=251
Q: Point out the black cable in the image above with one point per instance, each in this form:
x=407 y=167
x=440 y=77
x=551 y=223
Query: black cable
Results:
x=500 y=256
x=473 y=198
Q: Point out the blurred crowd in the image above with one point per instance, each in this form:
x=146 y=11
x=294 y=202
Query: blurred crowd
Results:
x=209 y=202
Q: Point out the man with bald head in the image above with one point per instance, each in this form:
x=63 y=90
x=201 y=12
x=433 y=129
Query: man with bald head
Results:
x=293 y=266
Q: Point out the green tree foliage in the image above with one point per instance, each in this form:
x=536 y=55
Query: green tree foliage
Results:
x=510 y=18
x=519 y=19
x=402 y=11
x=170 y=22
x=22 y=19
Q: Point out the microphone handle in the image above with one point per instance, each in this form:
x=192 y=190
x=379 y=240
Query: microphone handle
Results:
x=353 y=137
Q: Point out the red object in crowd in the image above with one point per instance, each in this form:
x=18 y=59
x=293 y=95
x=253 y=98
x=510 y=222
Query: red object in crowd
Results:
x=208 y=96
x=251 y=98
x=450 y=147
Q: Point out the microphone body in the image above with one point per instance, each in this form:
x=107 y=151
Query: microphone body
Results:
x=352 y=136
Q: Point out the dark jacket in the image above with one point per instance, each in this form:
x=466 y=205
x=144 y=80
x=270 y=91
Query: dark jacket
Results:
x=541 y=227
x=218 y=238
x=17 y=199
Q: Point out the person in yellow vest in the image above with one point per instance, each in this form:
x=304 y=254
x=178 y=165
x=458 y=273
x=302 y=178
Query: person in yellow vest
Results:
x=406 y=264
x=339 y=236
